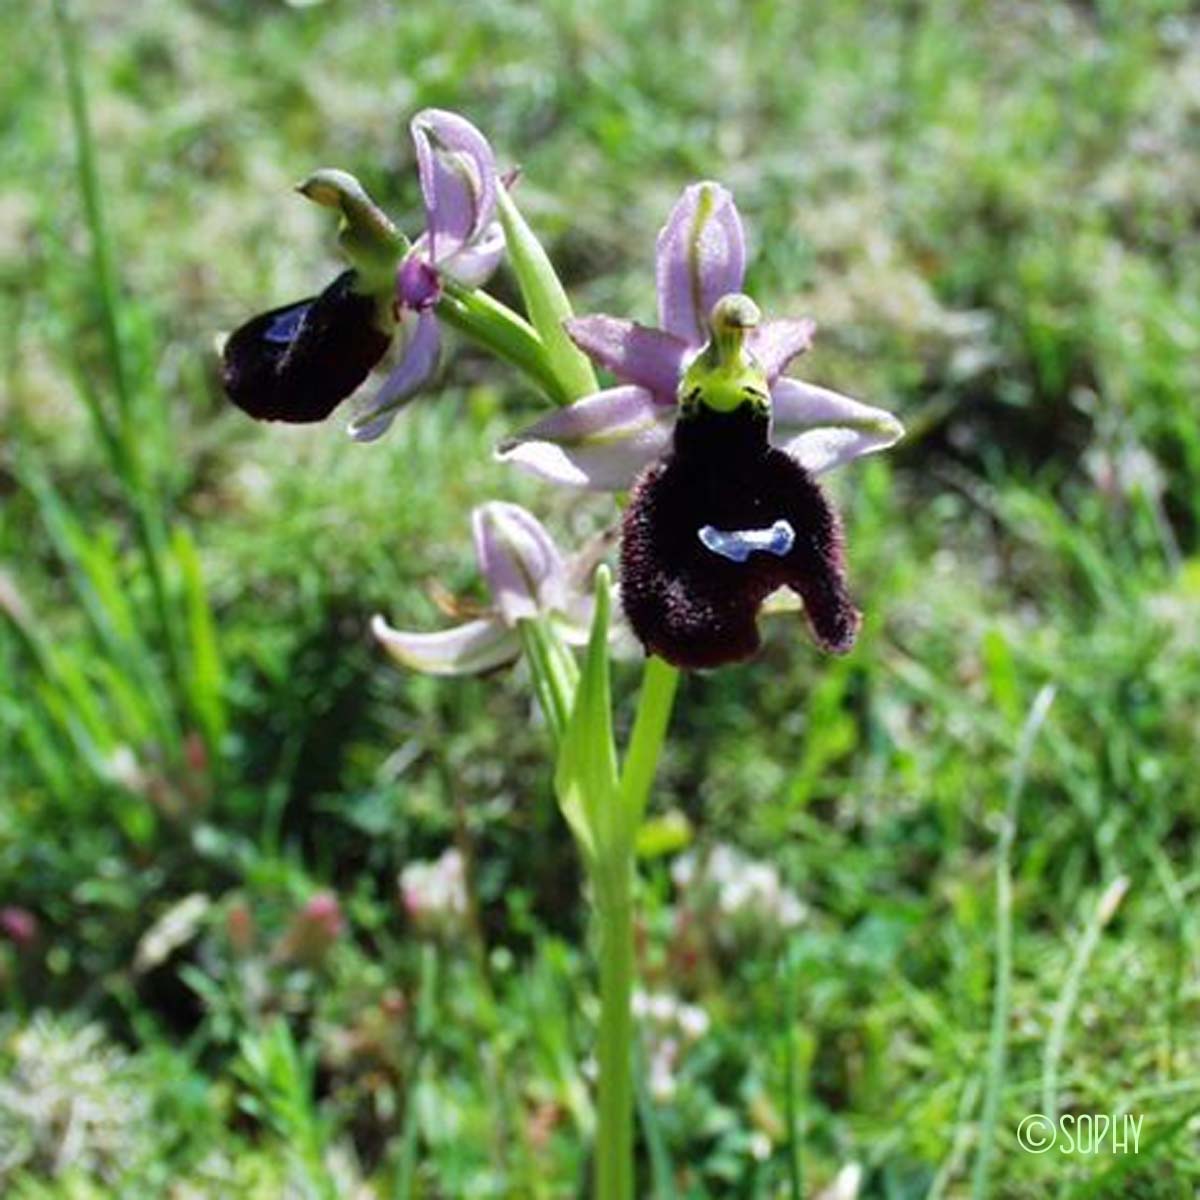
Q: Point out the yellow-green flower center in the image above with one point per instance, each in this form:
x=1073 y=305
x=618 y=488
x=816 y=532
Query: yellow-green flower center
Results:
x=725 y=374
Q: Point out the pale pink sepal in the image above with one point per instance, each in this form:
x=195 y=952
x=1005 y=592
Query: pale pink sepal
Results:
x=467 y=649
x=408 y=376
x=822 y=429
x=600 y=442
x=457 y=170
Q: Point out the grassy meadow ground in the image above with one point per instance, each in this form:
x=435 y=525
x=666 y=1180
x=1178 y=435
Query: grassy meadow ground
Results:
x=993 y=211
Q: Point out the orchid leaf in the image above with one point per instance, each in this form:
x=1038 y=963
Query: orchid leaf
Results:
x=205 y=678
x=586 y=779
x=545 y=300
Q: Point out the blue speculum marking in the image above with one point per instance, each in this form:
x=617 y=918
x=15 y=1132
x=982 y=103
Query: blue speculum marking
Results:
x=285 y=326
x=738 y=544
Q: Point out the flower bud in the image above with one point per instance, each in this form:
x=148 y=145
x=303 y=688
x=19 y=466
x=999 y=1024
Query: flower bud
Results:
x=239 y=927
x=18 y=925
x=522 y=566
x=313 y=930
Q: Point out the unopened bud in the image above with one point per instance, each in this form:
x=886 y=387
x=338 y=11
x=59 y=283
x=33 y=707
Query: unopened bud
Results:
x=18 y=925
x=239 y=926
x=313 y=930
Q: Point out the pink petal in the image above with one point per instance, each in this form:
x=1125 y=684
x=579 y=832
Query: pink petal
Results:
x=599 y=442
x=821 y=429
x=776 y=343
x=633 y=353
x=522 y=565
x=467 y=649
x=409 y=375
x=458 y=179
x=701 y=257
x=475 y=263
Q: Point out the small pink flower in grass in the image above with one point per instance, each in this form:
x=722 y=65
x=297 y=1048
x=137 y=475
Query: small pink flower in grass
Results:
x=720 y=449
x=434 y=894
x=18 y=925
x=528 y=578
x=313 y=930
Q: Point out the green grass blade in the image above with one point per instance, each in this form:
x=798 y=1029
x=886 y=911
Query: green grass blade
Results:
x=205 y=680
x=1002 y=986
x=662 y=1171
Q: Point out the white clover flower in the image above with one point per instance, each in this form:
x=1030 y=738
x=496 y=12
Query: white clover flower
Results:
x=434 y=893
x=683 y=870
x=694 y=1021
x=72 y=1101
x=743 y=899
x=668 y=1026
x=661 y=1077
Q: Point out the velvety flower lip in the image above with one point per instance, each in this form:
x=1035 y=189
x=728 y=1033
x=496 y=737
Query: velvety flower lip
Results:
x=299 y=362
x=608 y=441
x=688 y=599
x=462 y=241
x=527 y=577
x=724 y=519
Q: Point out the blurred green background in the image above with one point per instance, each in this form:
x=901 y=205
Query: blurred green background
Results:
x=214 y=983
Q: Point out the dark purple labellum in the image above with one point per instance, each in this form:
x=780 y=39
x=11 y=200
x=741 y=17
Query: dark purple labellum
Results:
x=287 y=324
x=699 y=608
x=299 y=362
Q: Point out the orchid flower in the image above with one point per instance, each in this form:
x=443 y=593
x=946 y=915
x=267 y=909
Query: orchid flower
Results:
x=725 y=510
x=528 y=579
x=603 y=440
x=299 y=362
x=462 y=241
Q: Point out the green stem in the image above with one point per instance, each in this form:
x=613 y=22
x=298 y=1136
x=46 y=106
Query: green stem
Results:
x=1002 y=987
x=614 y=878
x=503 y=332
x=554 y=672
x=406 y=1168
x=792 y=1087
x=614 y=1135
x=89 y=186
